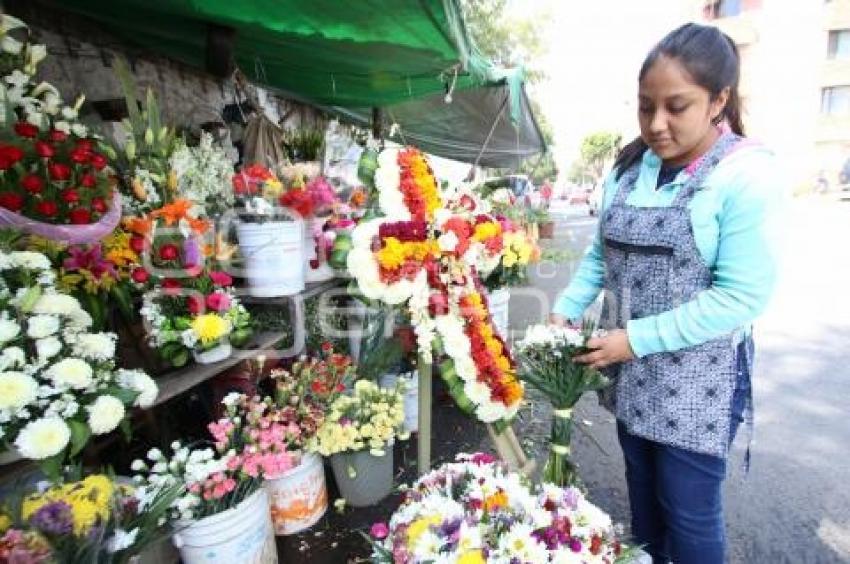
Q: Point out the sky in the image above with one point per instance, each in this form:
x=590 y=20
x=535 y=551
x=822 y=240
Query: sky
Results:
x=595 y=49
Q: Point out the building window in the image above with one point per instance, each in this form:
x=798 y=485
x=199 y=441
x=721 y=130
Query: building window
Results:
x=839 y=44
x=835 y=101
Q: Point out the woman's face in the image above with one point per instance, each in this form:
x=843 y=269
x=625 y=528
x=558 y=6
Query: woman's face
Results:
x=675 y=113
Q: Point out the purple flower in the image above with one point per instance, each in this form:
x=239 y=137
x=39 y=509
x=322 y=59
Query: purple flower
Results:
x=575 y=545
x=191 y=253
x=55 y=518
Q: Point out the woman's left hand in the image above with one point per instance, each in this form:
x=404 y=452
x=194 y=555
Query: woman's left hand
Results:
x=610 y=349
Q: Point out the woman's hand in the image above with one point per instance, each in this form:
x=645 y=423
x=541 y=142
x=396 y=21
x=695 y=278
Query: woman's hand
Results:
x=610 y=349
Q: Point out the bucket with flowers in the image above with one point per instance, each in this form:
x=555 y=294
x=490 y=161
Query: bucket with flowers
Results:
x=270 y=236
x=303 y=395
x=358 y=436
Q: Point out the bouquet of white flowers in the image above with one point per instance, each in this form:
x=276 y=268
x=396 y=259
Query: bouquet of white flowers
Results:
x=58 y=382
x=545 y=359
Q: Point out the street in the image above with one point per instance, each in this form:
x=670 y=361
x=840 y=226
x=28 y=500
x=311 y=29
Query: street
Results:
x=794 y=505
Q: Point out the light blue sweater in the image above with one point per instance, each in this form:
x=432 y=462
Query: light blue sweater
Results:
x=736 y=226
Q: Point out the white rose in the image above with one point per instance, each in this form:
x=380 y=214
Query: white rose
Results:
x=8 y=330
x=71 y=372
x=105 y=414
x=43 y=438
x=41 y=326
x=48 y=347
x=16 y=390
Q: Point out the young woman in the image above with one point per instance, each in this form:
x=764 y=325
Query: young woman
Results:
x=684 y=260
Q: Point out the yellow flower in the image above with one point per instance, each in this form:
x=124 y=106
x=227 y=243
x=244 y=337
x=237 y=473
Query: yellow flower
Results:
x=89 y=501
x=392 y=255
x=418 y=528
x=488 y=230
x=471 y=557
x=210 y=327
x=509 y=259
x=5 y=523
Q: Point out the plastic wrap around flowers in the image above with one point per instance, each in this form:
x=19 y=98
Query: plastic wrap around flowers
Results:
x=472 y=511
x=426 y=253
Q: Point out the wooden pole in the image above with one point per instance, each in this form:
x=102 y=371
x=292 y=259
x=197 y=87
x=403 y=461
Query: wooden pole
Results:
x=424 y=439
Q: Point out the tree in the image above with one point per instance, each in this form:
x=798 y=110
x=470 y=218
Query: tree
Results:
x=596 y=150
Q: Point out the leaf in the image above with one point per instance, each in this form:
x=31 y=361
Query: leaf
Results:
x=122 y=298
x=52 y=467
x=80 y=435
x=128 y=85
x=126 y=429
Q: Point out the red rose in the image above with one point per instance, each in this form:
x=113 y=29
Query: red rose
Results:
x=140 y=275
x=137 y=243
x=70 y=196
x=218 y=301
x=195 y=304
x=80 y=155
x=99 y=205
x=57 y=136
x=85 y=144
x=98 y=161
x=221 y=278
x=44 y=149
x=25 y=129
x=9 y=155
x=169 y=252
x=88 y=180
x=11 y=201
x=32 y=183
x=59 y=171
x=171 y=286
x=47 y=208
x=79 y=216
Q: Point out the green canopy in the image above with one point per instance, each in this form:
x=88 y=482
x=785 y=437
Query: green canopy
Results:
x=331 y=52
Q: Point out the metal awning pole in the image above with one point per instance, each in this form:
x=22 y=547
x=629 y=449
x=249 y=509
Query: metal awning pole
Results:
x=471 y=174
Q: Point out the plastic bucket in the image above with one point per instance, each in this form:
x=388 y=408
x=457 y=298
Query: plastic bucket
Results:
x=499 y=301
x=363 y=479
x=241 y=534
x=274 y=257
x=299 y=497
x=216 y=354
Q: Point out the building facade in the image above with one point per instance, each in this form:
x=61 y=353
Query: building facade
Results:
x=795 y=84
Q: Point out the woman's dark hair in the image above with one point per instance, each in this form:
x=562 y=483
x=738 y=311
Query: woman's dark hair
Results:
x=712 y=60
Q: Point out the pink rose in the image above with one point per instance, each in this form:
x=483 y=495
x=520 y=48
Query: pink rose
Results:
x=221 y=278
x=218 y=302
x=379 y=531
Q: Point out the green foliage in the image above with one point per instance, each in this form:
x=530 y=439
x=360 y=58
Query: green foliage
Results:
x=304 y=144
x=597 y=149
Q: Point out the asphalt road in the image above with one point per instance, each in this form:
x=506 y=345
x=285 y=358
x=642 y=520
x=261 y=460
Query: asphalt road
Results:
x=794 y=505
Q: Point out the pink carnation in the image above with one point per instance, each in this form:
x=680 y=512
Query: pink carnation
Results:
x=218 y=302
x=221 y=278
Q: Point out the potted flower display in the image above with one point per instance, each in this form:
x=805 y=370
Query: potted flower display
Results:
x=96 y=519
x=58 y=382
x=302 y=397
x=222 y=514
x=358 y=435
x=270 y=235
x=55 y=179
x=472 y=510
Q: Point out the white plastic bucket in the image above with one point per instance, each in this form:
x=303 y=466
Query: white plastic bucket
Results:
x=322 y=271
x=299 y=497
x=499 y=301
x=410 y=382
x=216 y=354
x=242 y=534
x=274 y=257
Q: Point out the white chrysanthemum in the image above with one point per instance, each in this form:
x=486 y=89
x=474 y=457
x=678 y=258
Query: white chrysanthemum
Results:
x=140 y=382
x=43 y=438
x=98 y=346
x=30 y=260
x=477 y=392
x=48 y=347
x=71 y=372
x=448 y=241
x=388 y=158
x=16 y=390
x=519 y=543
x=105 y=414
x=9 y=330
x=41 y=326
x=455 y=341
x=13 y=357
x=56 y=304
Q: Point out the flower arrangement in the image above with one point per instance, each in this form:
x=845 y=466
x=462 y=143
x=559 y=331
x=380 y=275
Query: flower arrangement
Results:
x=194 y=313
x=92 y=520
x=472 y=511
x=51 y=170
x=204 y=175
x=257 y=190
x=370 y=419
x=313 y=384
x=406 y=185
x=519 y=250
x=546 y=363
x=58 y=381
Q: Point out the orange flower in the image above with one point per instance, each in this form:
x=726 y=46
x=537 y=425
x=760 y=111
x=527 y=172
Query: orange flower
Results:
x=173 y=212
x=137 y=225
x=358 y=198
x=495 y=501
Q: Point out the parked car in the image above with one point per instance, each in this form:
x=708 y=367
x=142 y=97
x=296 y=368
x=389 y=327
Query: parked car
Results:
x=519 y=185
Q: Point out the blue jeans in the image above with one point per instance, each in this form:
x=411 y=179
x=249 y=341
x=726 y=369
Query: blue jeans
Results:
x=676 y=495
